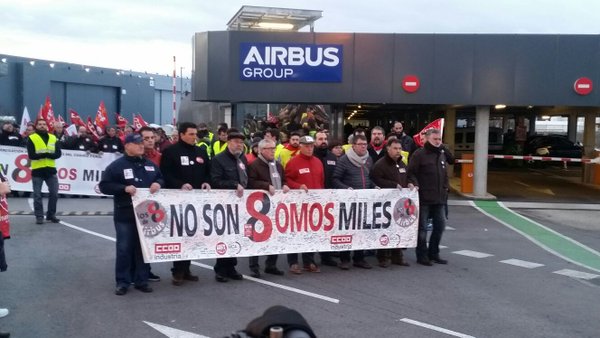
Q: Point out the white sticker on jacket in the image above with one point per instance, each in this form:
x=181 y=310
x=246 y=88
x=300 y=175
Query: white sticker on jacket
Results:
x=402 y=170
x=330 y=162
x=304 y=171
x=185 y=160
x=128 y=173
x=149 y=168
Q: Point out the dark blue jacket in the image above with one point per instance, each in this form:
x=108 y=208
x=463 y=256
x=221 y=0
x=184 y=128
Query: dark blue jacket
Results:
x=137 y=171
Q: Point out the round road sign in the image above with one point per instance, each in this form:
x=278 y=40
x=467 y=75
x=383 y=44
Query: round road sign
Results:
x=583 y=86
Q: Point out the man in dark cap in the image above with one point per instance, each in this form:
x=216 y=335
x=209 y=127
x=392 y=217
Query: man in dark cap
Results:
x=228 y=171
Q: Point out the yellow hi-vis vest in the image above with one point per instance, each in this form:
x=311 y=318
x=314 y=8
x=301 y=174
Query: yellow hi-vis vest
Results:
x=204 y=145
x=218 y=147
x=43 y=148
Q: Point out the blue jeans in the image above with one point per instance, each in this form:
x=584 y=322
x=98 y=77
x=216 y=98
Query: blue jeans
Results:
x=437 y=213
x=129 y=266
x=38 y=206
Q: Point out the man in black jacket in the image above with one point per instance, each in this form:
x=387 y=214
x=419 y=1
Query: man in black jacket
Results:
x=185 y=167
x=408 y=144
x=111 y=143
x=390 y=172
x=427 y=169
x=122 y=178
x=9 y=136
x=228 y=171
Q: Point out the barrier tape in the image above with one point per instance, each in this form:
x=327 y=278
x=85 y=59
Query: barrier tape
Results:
x=536 y=158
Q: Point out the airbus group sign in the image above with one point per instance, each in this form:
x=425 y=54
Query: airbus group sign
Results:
x=291 y=62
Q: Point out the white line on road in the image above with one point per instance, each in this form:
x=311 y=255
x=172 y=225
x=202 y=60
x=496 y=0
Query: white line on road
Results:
x=173 y=333
x=260 y=281
x=435 y=328
x=576 y=274
x=279 y=286
x=522 y=264
x=443 y=247
x=474 y=254
x=450 y=228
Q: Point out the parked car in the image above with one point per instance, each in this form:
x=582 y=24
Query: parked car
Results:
x=464 y=141
x=553 y=146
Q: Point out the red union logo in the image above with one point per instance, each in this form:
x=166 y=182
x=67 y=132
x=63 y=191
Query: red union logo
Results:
x=221 y=248
x=162 y=248
x=341 y=239
x=384 y=240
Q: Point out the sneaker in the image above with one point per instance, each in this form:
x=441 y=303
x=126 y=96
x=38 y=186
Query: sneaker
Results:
x=153 y=278
x=143 y=288
x=344 y=265
x=312 y=268
x=255 y=272
x=4 y=313
x=233 y=274
x=39 y=220
x=438 y=260
x=362 y=265
x=424 y=261
x=177 y=279
x=295 y=269
x=120 y=291
x=53 y=219
x=220 y=278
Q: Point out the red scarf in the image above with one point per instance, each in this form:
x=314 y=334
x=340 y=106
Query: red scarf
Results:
x=378 y=148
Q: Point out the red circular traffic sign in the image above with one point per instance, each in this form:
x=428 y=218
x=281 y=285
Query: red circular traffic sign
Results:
x=583 y=86
x=411 y=83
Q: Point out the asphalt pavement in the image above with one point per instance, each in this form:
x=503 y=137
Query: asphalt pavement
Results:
x=499 y=283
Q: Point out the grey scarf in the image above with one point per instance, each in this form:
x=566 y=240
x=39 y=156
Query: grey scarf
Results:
x=358 y=161
x=273 y=173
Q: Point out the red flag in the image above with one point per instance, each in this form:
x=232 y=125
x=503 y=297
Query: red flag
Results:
x=75 y=119
x=420 y=137
x=62 y=121
x=92 y=129
x=48 y=114
x=138 y=122
x=121 y=121
x=101 y=118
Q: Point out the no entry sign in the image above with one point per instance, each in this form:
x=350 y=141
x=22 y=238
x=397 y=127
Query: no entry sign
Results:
x=411 y=83
x=583 y=86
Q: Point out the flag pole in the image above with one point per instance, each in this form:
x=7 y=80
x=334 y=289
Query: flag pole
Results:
x=174 y=91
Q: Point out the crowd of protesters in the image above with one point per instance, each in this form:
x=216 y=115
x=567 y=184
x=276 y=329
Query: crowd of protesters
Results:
x=272 y=160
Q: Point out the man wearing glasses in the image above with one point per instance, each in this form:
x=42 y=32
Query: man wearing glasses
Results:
x=352 y=172
x=427 y=170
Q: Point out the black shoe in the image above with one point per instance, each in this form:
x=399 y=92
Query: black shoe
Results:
x=329 y=262
x=424 y=261
x=143 y=288
x=235 y=275
x=39 y=220
x=362 y=265
x=221 y=279
x=53 y=219
x=438 y=260
x=255 y=272
x=191 y=278
x=274 y=271
x=153 y=278
x=120 y=291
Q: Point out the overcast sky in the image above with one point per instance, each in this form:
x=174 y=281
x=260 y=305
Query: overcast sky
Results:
x=144 y=35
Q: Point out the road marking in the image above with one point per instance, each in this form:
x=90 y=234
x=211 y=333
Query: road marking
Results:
x=279 y=286
x=546 y=238
x=87 y=231
x=443 y=247
x=474 y=254
x=173 y=333
x=520 y=263
x=256 y=280
x=435 y=328
x=576 y=274
x=449 y=228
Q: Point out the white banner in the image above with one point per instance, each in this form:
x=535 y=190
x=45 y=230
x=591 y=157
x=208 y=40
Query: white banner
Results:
x=78 y=172
x=180 y=225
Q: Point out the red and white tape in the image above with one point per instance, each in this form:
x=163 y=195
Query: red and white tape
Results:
x=536 y=158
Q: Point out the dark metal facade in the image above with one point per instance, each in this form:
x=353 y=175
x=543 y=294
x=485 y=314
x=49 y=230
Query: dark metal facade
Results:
x=453 y=69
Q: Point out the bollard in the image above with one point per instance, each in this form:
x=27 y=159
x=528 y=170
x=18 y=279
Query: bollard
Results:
x=466 y=175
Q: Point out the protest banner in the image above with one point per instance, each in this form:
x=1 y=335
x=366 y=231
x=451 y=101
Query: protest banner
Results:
x=78 y=172
x=180 y=225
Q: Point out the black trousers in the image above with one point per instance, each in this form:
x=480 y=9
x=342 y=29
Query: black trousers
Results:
x=181 y=267
x=270 y=262
x=359 y=255
x=225 y=265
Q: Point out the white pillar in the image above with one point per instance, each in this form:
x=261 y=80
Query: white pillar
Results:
x=482 y=130
x=572 y=127
x=589 y=134
x=450 y=126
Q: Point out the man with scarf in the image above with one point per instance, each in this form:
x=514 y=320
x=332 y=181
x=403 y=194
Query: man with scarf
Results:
x=377 y=146
x=267 y=174
x=352 y=172
x=427 y=170
x=290 y=149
